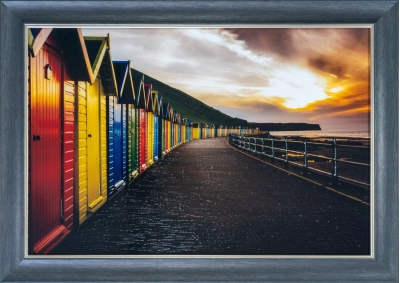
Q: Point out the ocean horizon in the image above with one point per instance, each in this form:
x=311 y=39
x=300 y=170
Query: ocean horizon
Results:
x=324 y=133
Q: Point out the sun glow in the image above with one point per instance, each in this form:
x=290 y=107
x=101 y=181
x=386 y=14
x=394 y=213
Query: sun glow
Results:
x=297 y=86
x=336 y=89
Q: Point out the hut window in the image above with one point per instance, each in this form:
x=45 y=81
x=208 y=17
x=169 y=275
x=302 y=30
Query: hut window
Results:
x=48 y=72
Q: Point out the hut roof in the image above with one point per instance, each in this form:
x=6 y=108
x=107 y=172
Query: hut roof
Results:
x=68 y=40
x=126 y=93
x=138 y=84
x=101 y=61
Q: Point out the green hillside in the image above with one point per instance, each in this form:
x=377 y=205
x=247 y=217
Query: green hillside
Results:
x=191 y=107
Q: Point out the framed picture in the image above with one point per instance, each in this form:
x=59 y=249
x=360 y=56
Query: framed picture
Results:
x=15 y=15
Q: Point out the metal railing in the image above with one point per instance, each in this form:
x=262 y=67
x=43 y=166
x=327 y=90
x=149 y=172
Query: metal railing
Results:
x=353 y=159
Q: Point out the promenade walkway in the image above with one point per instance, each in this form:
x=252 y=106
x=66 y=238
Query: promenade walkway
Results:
x=205 y=198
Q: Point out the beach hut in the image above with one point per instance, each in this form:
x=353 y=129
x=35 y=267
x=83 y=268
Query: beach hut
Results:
x=161 y=128
x=175 y=125
x=208 y=127
x=142 y=102
x=178 y=128
x=171 y=128
x=117 y=128
x=91 y=129
x=167 y=130
x=219 y=131
x=156 y=130
x=57 y=59
x=214 y=131
x=183 y=129
x=133 y=127
x=150 y=124
x=189 y=130
x=196 y=129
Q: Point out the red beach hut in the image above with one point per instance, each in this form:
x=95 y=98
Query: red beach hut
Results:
x=57 y=59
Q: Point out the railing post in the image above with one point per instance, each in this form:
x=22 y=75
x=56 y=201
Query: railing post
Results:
x=262 y=141
x=335 y=176
x=305 y=166
x=255 y=145
x=272 y=151
x=286 y=153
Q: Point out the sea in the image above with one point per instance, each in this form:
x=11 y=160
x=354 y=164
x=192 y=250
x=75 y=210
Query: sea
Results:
x=325 y=133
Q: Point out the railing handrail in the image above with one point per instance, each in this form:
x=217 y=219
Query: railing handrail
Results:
x=245 y=142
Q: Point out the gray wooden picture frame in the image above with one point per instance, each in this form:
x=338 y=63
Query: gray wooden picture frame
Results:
x=382 y=14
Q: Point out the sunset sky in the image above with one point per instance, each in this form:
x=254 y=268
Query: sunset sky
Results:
x=309 y=75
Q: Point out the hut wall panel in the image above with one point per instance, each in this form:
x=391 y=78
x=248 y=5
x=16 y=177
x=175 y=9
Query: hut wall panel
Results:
x=132 y=141
x=103 y=142
x=117 y=145
x=162 y=137
x=172 y=135
x=129 y=139
x=150 y=138
x=179 y=128
x=95 y=94
x=45 y=175
x=155 y=138
x=110 y=135
x=81 y=180
x=142 y=140
x=175 y=134
x=172 y=132
x=196 y=133
x=124 y=129
x=166 y=135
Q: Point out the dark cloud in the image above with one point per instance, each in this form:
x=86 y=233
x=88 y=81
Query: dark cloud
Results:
x=327 y=65
x=275 y=41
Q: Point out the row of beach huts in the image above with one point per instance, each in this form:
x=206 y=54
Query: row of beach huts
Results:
x=93 y=127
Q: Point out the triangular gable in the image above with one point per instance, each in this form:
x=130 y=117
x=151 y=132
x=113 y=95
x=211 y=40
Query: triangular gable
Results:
x=171 y=113
x=126 y=93
x=174 y=116
x=96 y=48
x=138 y=84
x=161 y=107
x=149 y=97
x=142 y=98
x=36 y=38
x=101 y=61
x=156 y=106
x=165 y=111
x=68 y=40
x=159 y=104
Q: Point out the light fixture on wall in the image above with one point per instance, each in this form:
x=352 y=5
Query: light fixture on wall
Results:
x=48 y=72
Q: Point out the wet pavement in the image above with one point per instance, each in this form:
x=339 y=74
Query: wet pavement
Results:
x=205 y=198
